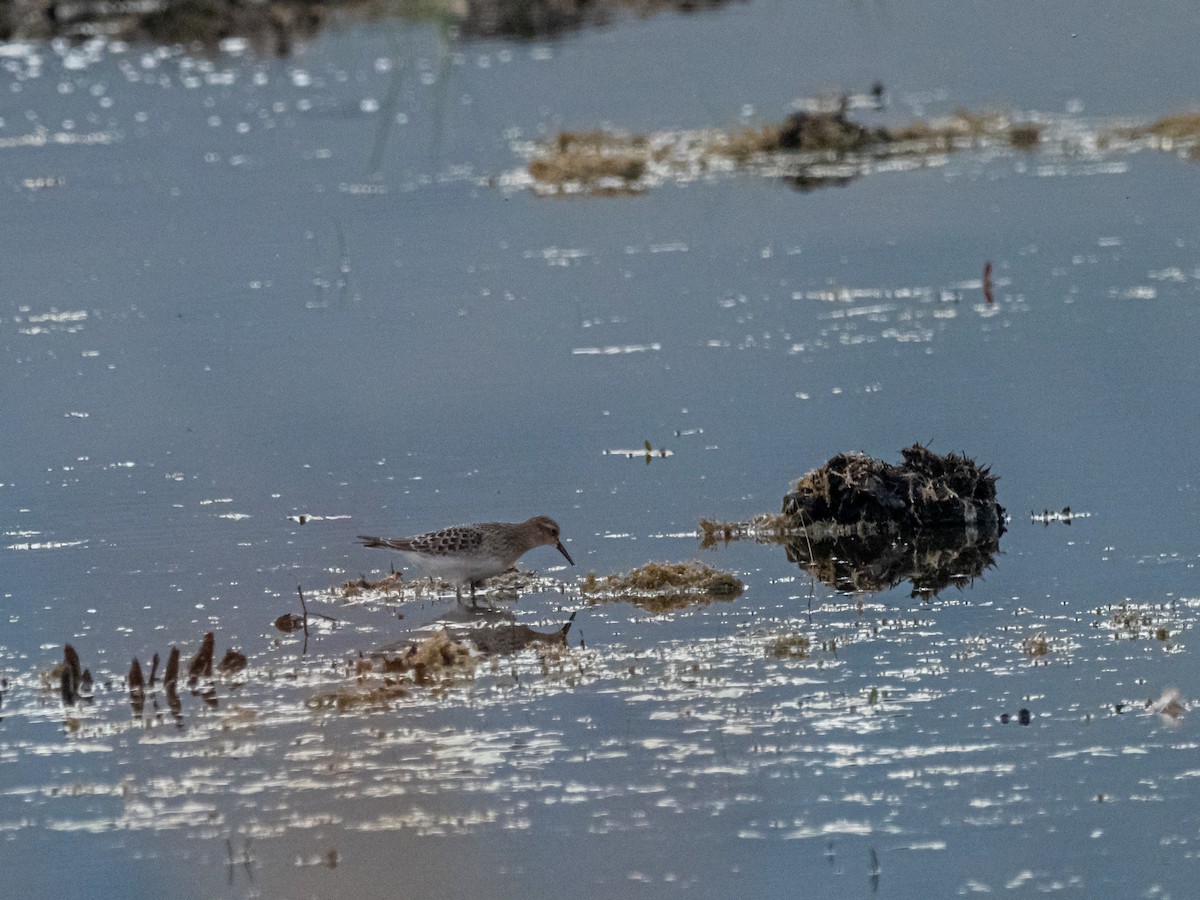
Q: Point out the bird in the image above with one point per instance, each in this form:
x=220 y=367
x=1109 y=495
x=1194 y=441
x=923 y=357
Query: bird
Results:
x=468 y=554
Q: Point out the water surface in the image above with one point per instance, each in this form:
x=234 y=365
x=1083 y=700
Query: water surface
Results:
x=243 y=290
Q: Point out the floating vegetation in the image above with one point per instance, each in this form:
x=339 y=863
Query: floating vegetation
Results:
x=603 y=161
x=1185 y=126
x=1065 y=516
x=1179 y=133
x=793 y=646
x=305 y=518
x=1138 y=621
x=927 y=490
x=661 y=587
x=815 y=148
x=357 y=586
x=379 y=679
x=809 y=149
x=438 y=656
x=647 y=452
x=1035 y=645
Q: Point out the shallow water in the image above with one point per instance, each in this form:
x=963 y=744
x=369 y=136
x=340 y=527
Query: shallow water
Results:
x=242 y=291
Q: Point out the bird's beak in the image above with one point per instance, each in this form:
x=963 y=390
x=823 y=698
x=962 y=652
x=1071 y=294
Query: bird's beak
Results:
x=563 y=551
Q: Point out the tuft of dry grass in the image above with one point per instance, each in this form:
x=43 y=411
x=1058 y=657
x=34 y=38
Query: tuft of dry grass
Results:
x=1136 y=621
x=1182 y=126
x=747 y=142
x=1035 y=646
x=438 y=656
x=437 y=660
x=586 y=158
x=356 y=586
x=660 y=587
x=598 y=161
x=688 y=576
x=793 y=646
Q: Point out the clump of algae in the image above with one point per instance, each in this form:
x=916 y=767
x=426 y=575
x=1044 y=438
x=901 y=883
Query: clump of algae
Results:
x=592 y=159
x=599 y=161
x=1136 y=621
x=794 y=646
x=1181 y=126
x=660 y=587
x=807 y=148
x=357 y=586
x=1177 y=132
x=433 y=662
x=1035 y=646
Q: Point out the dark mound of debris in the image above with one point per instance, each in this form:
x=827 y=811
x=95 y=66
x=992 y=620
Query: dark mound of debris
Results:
x=927 y=491
x=825 y=131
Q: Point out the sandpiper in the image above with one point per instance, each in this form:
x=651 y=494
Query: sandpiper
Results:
x=467 y=554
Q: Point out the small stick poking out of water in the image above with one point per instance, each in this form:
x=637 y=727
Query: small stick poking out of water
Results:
x=201 y=665
x=171 y=675
x=71 y=680
x=137 y=684
x=303 y=608
x=137 y=689
x=987 y=281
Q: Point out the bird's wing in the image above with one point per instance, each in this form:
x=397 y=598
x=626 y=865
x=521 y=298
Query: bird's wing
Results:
x=448 y=540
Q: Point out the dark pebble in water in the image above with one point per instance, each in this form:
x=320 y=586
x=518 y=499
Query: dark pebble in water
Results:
x=1024 y=717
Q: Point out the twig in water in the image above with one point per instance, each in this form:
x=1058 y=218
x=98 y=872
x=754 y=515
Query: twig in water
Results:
x=316 y=615
x=304 y=608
